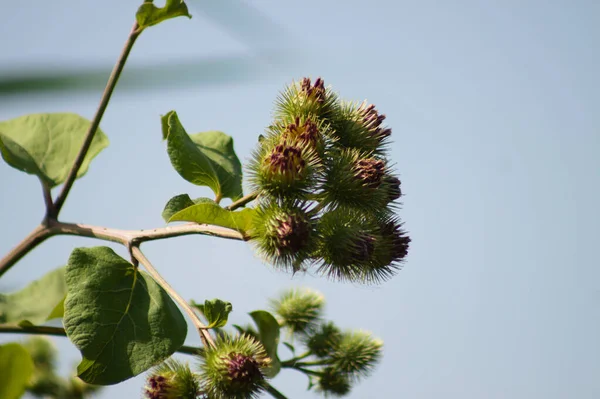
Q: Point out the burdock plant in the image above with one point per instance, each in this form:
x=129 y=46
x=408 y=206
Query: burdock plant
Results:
x=324 y=199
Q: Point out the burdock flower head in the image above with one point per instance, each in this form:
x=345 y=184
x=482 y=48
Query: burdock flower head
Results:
x=305 y=134
x=299 y=310
x=360 y=126
x=396 y=240
x=357 y=353
x=285 y=168
x=354 y=179
x=351 y=247
x=372 y=120
x=284 y=233
x=306 y=98
x=370 y=171
x=172 y=380
x=234 y=368
x=333 y=382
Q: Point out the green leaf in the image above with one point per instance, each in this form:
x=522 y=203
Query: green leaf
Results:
x=216 y=312
x=120 y=319
x=219 y=148
x=213 y=214
x=180 y=202
x=148 y=14
x=46 y=145
x=17 y=368
x=37 y=302
x=204 y=159
x=268 y=329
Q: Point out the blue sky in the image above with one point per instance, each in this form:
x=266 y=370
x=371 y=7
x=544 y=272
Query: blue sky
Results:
x=494 y=111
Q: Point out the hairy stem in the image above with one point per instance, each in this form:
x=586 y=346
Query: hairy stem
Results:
x=242 y=201
x=33 y=239
x=110 y=86
x=60 y=332
x=202 y=330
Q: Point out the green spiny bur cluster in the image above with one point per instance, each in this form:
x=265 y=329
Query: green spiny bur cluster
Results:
x=341 y=358
x=327 y=190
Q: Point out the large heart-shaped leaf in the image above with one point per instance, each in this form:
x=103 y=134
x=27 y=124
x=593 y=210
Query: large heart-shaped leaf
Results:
x=120 y=319
x=204 y=159
x=17 y=367
x=38 y=302
x=148 y=14
x=268 y=330
x=46 y=145
x=207 y=213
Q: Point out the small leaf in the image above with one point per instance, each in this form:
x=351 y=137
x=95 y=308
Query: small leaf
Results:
x=204 y=159
x=219 y=148
x=148 y=14
x=216 y=312
x=213 y=214
x=17 y=368
x=268 y=329
x=37 y=302
x=180 y=202
x=46 y=145
x=120 y=319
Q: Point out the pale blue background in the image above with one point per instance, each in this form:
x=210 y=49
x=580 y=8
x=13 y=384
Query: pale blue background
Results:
x=495 y=111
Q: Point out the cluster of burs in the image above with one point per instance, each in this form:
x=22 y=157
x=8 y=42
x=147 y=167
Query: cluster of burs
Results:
x=327 y=190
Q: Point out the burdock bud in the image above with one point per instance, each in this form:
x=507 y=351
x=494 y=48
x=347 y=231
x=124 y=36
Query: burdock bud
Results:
x=398 y=240
x=372 y=121
x=360 y=126
x=357 y=353
x=234 y=368
x=172 y=380
x=305 y=99
x=299 y=310
x=324 y=340
x=333 y=382
x=283 y=233
x=393 y=187
x=354 y=179
x=314 y=92
x=370 y=171
x=303 y=134
x=285 y=163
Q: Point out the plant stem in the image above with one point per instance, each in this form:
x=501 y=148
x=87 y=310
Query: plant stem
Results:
x=127 y=237
x=293 y=361
x=60 y=332
x=242 y=201
x=202 y=330
x=274 y=392
x=33 y=239
x=110 y=86
x=47 y=198
x=308 y=364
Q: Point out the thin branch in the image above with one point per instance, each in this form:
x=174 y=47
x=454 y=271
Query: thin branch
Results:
x=127 y=237
x=110 y=86
x=274 y=392
x=33 y=239
x=293 y=361
x=204 y=335
x=60 y=332
x=242 y=201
